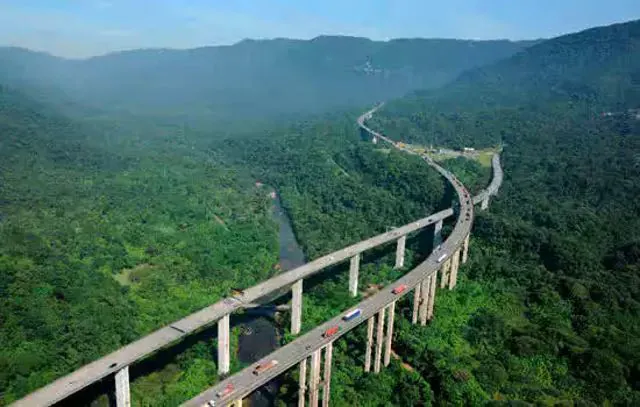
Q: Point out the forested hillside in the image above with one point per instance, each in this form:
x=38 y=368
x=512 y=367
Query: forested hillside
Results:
x=554 y=312
x=112 y=230
x=590 y=72
x=117 y=227
x=106 y=238
x=251 y=78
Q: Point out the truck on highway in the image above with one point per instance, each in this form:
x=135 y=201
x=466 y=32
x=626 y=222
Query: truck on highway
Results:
x=352 y=314
x=399 y=289
x=264 y=367
x=444 y=256
x=331 y=331
x=225 y=392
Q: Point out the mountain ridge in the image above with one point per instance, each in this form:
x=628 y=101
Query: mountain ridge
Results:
x=253 y=77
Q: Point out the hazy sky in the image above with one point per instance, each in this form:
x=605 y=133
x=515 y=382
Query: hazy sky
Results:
x=77 y=28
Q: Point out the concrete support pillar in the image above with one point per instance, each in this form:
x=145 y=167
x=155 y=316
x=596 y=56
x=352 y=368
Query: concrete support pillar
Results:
x=446 y=269
x=302 y=390
x=465 y=249
x=379 y=338
x=416 y=304
x=485 y=203
x=353 y=275
x=455 y=263
x=400 y=252
x=314 y=379
x=326 y=391
x=424 y=301
x=437 y=234
x=123 y=397
x=296 y=307
x=390 y=317
x=432 y=295
x=223 y=345
x=375 y=140
x=367 y=353
x=237 y=403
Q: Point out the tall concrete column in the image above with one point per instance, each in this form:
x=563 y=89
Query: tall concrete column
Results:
x=296 y=307
x=485 y=203
x=425 y=291
x=379 y=338
x=465 y=249
x=400 y=251
x=432 y=295
x=314 y=378
x=123 y=396
x=375 y=140
x=437 y=234
x=390 y=317
x=446 y=269
x=326 y=391
x=354 y=268
x=416 y=303
x=367 y=353
x=237 y=403
x=455 y=263
x=303 y=383
x=223 y=345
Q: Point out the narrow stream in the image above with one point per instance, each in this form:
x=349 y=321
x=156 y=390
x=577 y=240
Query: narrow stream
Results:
x=260 y=335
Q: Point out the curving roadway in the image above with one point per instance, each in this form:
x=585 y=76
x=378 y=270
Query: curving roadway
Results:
x=129 y=354
x=244 y=382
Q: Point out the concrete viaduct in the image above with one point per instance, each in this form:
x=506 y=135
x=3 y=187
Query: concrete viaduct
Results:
x=307 y=350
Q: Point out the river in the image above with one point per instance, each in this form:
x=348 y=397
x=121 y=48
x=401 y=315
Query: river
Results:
x=260 y=335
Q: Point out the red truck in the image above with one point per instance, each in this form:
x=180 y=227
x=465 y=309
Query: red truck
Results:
x=227 y=389
x=264 y=366
x=331 y=331
x=399 y=289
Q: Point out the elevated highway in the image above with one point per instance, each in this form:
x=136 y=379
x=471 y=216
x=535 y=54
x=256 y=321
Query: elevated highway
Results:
x=310 y=344
x=422 y=280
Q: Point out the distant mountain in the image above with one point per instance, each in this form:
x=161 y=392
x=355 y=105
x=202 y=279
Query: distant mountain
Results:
x=600 y=65
x=592 y=71
x=252 y=77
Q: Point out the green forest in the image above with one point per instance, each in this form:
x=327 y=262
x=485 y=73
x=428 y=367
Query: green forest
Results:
x=113 y=226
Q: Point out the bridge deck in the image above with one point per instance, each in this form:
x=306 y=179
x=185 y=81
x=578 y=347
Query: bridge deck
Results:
x=245 y=382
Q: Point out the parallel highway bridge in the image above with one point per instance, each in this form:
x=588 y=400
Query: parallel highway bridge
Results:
x=445 y=258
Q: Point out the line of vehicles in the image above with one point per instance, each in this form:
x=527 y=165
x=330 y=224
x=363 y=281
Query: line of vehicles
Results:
x=262 y=367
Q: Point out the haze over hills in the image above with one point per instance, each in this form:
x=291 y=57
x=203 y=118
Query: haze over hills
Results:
x=597 y=69
x=117 y=231
x=265 y=77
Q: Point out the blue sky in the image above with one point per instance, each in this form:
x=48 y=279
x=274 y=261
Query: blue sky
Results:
x=80 y=28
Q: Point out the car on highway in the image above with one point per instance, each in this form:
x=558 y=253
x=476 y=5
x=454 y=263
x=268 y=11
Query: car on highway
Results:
x=264 y=367
x=444 y=256
x=399 y=289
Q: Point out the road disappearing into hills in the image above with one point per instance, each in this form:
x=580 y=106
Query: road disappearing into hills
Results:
x=245 y=381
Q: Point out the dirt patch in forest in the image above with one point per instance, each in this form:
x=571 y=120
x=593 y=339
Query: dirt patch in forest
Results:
x=405 y=366
x=134 y=275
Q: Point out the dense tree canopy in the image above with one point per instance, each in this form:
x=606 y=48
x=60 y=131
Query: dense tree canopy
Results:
x=111 y=229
